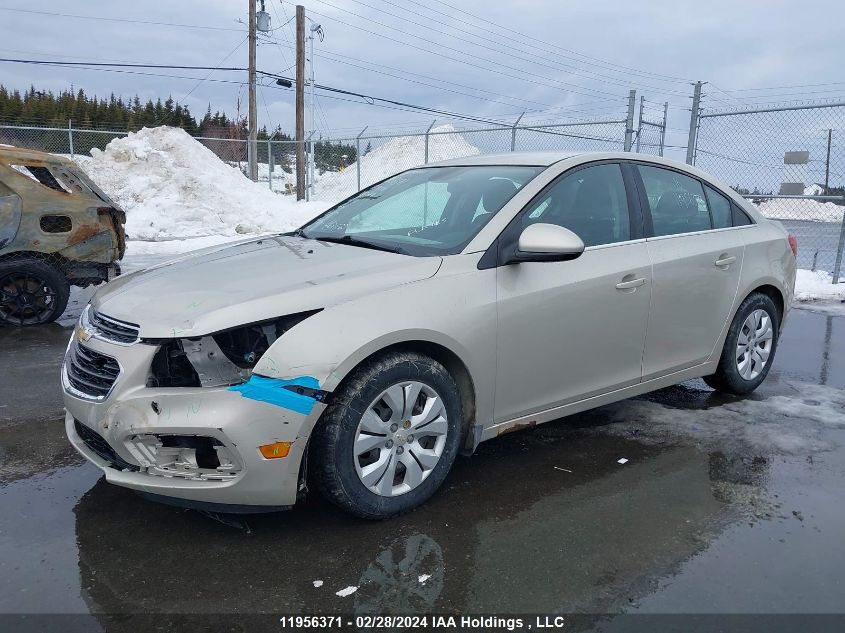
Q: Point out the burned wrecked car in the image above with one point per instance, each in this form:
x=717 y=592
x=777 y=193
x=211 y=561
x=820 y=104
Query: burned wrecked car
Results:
x=57 y=229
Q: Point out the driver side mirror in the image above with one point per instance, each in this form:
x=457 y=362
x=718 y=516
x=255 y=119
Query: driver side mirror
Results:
x=546 y=243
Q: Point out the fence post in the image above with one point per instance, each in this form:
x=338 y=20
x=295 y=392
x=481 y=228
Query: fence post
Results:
x=513 y=132
x=663 y=129
x=837 y=266
x=358 y=155
x=270 y=164
x=629 y=121
x=693 y=123
x=640 y=122
x=70 y=136
x=309 y=171
x=426 y=140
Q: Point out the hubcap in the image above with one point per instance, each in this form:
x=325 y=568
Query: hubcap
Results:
x=400 y=438
x=754 y=344
x=25 y=299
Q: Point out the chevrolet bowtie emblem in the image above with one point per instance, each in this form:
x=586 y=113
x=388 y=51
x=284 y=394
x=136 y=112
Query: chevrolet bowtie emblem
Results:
x=83 y=334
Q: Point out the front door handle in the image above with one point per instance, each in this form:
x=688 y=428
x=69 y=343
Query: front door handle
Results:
x=630 y=284
x=725 y=260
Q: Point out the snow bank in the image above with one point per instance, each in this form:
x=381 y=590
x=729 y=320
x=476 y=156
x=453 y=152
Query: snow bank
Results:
x=793 y=209
x=175 y=189
x=817 y=285
x=390 y=158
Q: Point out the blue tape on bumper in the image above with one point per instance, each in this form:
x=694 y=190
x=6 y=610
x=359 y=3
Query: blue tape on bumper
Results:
x=275 y=391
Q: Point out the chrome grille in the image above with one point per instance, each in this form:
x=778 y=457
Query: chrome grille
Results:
x=113 y=329
x=90 y=373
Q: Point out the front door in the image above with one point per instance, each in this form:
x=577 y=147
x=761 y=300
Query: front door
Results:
x=570 y=330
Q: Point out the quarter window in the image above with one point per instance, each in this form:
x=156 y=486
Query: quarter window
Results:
x=590 y=202
x=676 y=201
x=720 y=208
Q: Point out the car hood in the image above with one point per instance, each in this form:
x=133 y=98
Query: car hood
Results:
x=223 y=287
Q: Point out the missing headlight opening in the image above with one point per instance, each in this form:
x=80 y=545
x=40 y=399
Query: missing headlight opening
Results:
x=221 y=359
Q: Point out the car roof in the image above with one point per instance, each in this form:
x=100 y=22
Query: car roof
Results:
x=14 y=155
x=545 y=159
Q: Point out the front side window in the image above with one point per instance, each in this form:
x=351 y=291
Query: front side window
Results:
x=423 y=212
x=676 y=201
x=590 y=202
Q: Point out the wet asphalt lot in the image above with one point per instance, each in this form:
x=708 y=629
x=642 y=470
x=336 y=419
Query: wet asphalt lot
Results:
x=724 y=506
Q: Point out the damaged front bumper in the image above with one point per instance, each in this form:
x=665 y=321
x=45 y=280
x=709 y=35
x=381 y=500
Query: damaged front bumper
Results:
x=200 y=446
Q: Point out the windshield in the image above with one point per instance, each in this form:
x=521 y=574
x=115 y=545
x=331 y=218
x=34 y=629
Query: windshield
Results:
x=422 y=212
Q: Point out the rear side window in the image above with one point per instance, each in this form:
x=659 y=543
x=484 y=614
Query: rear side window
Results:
x=590 y=202
x=740 y=217
x=720 y=208
x=676 y=201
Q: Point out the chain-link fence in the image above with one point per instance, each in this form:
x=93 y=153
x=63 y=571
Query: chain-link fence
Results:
x=791 y=162
x=340 y=166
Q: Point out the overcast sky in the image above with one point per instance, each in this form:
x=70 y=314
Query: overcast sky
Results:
x=560 y=58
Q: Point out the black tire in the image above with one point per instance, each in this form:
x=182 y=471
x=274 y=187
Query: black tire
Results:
x=335 y=473
x=32 y=292
x=727 y=377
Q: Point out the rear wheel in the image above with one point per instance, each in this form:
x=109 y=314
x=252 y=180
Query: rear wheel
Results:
x=749 y=347
x=390 y=436
x=31 y=292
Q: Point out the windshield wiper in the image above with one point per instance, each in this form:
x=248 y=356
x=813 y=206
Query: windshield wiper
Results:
x=357 y=241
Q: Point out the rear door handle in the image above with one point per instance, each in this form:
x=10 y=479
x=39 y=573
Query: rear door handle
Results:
x=725 y=260
x=630 y=284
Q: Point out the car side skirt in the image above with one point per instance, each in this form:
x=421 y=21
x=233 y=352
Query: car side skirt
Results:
x=541 y=417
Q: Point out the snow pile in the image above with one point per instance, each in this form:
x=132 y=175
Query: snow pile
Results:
x=817 y=285
x=794 y=209
x=394 y=156
x=174 y=188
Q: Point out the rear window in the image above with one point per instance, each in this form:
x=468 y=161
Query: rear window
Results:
x=720 y=208
x=55 y=177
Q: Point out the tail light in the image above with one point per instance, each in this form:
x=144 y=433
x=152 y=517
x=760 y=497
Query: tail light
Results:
x=793 y=244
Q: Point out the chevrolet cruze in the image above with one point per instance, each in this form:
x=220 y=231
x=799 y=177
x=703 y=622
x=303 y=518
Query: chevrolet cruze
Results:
x=441 y=307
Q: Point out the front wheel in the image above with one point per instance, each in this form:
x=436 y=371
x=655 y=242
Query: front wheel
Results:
x=390 y=436
x=749 y=347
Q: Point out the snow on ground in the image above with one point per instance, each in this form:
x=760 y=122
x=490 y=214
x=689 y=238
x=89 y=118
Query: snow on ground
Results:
x=178 y=195
x=793 y=209
x=392 y=157
x=774 y=427
x=817 y=285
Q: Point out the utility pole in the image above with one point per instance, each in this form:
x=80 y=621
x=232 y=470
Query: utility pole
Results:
x=827 y=163
x=629 y=121
x=315 y=28
x=300 y=102
x=663 y=128
x=693 y=123
x=252 y=142
x=640 y=122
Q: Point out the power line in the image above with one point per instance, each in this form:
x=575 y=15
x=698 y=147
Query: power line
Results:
x=197 y=85
x=607 y=65
x=126 y=20
x=534 y=60
x=53 y=62
x=463 y=61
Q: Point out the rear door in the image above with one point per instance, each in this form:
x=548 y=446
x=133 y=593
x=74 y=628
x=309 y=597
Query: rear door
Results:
x=570 y=330
x=697 y=258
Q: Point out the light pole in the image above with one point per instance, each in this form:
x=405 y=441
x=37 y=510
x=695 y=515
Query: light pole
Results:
x=315 y=28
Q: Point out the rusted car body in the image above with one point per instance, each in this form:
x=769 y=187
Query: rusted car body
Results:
x=57 y=228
